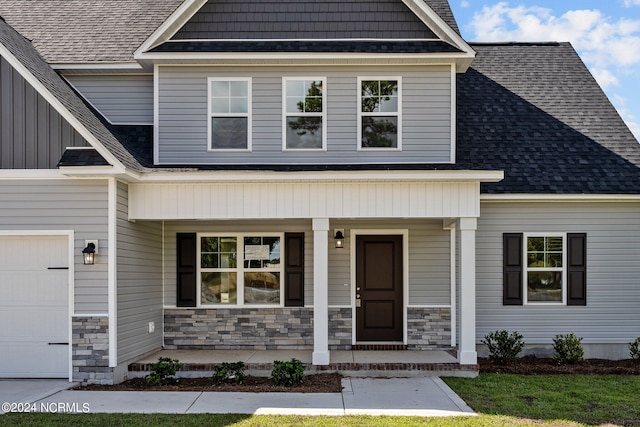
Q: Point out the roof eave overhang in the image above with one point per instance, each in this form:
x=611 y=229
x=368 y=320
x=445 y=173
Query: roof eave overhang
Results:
x=461 y=60
x=322 y=176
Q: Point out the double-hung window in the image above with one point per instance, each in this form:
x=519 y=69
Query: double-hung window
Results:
x=379 y=113
x=545 y=268
x=229 y=114
x=240 y=269
x=305 y=113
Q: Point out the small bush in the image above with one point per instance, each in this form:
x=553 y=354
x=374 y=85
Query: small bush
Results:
x=567 y=349
x=229 y=373
x=634 y=349
x=504 y=347
x=163 y=371
x=287 y=373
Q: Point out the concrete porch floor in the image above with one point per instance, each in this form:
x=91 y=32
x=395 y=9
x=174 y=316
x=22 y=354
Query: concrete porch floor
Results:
x=349 y=363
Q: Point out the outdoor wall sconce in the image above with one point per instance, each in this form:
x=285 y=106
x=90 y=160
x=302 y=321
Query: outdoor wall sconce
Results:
x=339 y=238
x=89 y=253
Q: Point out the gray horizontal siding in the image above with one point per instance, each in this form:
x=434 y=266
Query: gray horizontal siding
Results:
x=78 y=205
x=429 y=264
x=32 y=134
x=183 y=119
x=139 y=260
x=122 y=99
x=295 y=19
x=613 y=269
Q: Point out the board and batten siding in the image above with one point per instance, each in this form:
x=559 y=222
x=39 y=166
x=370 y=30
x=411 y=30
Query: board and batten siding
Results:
x=65 y=204
x=613 y=271
x=429 y=263
x=183 y=116
x=32 y=133
x=121 y=99
x=139 y=279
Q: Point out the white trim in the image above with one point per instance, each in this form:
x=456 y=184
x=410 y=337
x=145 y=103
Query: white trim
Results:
x=156 y=114
x=70 y=235
x=164 y=284
x=274 y=176
x=90 y=315
x=609 y=198
x=248 y=115
x=525 y=270
x=286 y=114
x=171 y=25
x=397 y=114
x=112 y=271
x=97 y=66
x=32 y=174
x=429 y=306
x=59 y=107
x=454 y=114
x=454 y=312
x=404 y=232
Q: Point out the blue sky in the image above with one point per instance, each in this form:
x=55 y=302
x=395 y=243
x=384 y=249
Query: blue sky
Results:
x=606 y=34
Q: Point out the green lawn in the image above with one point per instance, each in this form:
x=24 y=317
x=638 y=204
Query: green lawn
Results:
x=500 y=400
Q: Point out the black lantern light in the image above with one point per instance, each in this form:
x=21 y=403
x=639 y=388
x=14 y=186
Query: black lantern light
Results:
x=89 y=253
x=339 y=239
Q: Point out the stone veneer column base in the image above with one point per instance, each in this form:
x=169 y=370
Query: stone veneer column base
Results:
x=428 y=328
x=90 y=350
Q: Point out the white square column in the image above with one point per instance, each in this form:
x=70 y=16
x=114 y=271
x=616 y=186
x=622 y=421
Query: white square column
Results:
x=467 y=354
x=320 y=291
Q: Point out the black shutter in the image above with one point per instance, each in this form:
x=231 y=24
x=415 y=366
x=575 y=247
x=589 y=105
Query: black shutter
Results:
x=576 y=269
x=512 y=270
x=186 y=268
x=294 y=269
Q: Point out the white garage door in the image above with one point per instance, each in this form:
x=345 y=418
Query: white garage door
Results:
x=34 y=307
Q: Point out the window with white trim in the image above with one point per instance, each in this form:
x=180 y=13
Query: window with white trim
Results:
x=545 y=268
x=229 y=114
x=305 y=113
x=379 y=113
x=240 y=269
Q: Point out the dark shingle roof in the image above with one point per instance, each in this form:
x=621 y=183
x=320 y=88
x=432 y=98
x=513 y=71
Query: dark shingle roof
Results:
x=82 y=157
x=443 y=9
x=309 y=46
x=23 y=50
x=81 y=31
x=535 y=111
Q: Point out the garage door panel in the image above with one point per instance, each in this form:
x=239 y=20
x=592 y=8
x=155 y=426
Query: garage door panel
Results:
x=34 y=309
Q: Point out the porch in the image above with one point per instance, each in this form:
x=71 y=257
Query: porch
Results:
x=352 y=363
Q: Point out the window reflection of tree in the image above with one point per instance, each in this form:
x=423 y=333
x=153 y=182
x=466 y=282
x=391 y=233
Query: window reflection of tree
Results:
x=379 y=131
x=312 y=103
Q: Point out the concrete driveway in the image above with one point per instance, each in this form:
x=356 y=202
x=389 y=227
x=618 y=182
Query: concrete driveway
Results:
x=29 y=391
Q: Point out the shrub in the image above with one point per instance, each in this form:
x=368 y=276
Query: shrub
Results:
x=163 y=371
x=229 y=373
x=567 y=349
x=503 y=346
x=287 y=373
x=634 y=349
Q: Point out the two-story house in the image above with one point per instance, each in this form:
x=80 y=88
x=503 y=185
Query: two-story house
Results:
x=301 y=175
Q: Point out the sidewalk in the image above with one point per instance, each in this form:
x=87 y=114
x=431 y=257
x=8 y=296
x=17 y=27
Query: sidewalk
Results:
x=428 y=396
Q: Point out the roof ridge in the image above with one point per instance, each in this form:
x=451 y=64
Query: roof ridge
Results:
x=516 y=43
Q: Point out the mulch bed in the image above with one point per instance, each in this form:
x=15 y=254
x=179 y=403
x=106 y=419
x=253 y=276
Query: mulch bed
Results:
x=316 y=383
x=531 y=365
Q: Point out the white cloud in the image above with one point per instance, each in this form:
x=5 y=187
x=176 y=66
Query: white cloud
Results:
x=611 y=48
x=466 y=4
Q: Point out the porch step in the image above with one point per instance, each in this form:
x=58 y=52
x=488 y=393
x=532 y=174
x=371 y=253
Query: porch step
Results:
x=366 y=370
x=379 y=347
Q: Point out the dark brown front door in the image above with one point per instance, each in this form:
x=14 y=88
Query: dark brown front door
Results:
x=379 y=288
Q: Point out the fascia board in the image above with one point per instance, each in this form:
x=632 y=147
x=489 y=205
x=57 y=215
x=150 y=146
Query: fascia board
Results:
x=510 y=198
x=171 y=25
x=59 y=107
x=326 y=176
x=437 y=24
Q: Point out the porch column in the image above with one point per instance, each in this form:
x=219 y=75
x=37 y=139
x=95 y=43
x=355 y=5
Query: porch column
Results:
x=320 y=291
x=467 y=354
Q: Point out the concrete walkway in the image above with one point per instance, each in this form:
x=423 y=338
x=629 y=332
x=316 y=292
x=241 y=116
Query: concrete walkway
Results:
x=428 y=396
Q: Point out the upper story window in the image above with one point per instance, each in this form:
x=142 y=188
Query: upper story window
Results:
x=545 y=272
x=305 y=116
x=229 y=114
x=379 y=113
